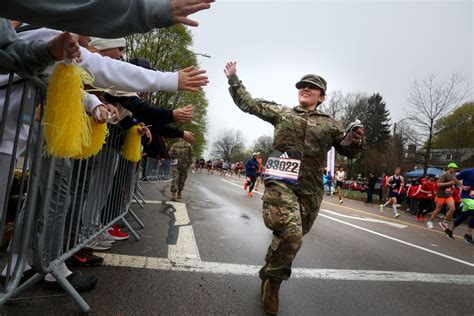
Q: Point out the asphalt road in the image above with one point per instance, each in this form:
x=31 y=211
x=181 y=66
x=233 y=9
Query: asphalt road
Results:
x=202 y=259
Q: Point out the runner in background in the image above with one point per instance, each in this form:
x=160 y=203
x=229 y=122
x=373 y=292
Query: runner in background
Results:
x=340 y=176
x=259 y=171
x=251 y=168
x=467 y=198
x=395 y=184
x=444 y=196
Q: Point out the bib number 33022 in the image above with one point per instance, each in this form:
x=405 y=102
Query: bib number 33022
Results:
x=283 y=169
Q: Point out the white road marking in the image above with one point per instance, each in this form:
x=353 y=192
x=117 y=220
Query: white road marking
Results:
x=186 y=246
x=400 y=241
x=240 y=186
x=152 y=202
x=366 y=219
x=198 y=266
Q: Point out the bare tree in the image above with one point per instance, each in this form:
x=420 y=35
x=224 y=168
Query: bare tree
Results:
x=334 y=104
x=352 y=103
x=228 y=146
x=432 y=98
x=264 y=145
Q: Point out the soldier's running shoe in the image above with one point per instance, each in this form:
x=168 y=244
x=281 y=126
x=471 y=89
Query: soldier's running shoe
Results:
x=270 y=300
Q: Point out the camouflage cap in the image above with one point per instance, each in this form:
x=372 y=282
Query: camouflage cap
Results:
x=315 y=80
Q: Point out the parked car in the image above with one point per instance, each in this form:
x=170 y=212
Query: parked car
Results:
x=355 y=185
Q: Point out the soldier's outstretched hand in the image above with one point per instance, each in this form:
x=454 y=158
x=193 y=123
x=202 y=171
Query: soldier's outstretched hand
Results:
x=357 y=136
x=230 y=68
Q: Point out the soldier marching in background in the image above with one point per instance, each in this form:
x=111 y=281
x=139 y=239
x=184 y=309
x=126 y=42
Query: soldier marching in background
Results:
x=293 y=177
x=182 y=156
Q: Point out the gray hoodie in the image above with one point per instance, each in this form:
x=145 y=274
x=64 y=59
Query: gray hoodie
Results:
x=109 y=19
x=23 y=57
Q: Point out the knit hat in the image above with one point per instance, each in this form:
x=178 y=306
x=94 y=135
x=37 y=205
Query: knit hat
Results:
x=107 y=43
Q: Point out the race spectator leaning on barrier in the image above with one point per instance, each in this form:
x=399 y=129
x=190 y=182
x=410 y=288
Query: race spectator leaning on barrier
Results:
x=182 y=155
x=293 y=177
x=32 y=57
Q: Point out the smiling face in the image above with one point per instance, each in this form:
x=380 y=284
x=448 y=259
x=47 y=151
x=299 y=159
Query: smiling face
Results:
x=309 y=95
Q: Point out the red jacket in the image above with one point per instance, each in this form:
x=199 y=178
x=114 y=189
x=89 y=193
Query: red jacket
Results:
x=413 y=190
x=457 y=195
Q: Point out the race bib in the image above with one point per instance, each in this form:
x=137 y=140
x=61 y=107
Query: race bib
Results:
x=174 y=162
x=283 y=169
x=471 y=194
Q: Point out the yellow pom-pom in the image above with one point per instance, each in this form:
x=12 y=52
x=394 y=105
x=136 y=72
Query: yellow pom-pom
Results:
x=66 y=126
x=132 y=145
x=99 y=133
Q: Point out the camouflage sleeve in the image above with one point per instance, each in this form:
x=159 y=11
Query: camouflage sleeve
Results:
x=266 y=110
x=350 y=150
x=172 y=151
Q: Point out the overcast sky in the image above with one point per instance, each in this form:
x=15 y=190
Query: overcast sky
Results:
x=367 y=46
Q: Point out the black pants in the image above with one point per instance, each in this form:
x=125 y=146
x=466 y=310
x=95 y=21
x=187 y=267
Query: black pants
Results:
x=425 y=206
x=370 y=192
x=251 y=184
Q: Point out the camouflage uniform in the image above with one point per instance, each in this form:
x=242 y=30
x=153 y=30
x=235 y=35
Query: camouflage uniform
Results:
x=290 y=210
x=184 y=153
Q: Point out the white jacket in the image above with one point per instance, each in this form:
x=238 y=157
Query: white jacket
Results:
x=108 y=74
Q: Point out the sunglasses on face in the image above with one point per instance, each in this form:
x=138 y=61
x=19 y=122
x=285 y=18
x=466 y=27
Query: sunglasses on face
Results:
x=310 y=86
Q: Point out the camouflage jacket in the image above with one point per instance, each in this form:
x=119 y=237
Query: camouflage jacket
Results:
x=302 y=134
x=184 y=153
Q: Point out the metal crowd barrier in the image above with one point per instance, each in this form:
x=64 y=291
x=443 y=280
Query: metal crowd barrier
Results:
x=160 y=173
x=61 y=204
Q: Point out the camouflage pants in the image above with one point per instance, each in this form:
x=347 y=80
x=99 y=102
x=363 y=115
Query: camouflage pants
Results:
x=290 y=217
x=179 y=178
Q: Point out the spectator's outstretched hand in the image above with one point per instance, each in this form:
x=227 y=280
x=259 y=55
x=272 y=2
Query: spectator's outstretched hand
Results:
x=191 y=79
x=100 y=114
x=230 y=68
x=183 y=115
x=65 y=45
x=189 y=137
x=180 y=9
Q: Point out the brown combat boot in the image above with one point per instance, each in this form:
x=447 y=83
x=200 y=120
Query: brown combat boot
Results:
x=270 y=301
x=263 y=277
x=179 y=195
x=173 y=196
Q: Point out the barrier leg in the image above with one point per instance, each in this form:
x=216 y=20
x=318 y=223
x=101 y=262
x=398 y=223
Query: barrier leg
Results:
x=138 y=201
x=71 y=291
x=136 y=218
x=131 y=230
x=140 y=189
x=25 y=286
